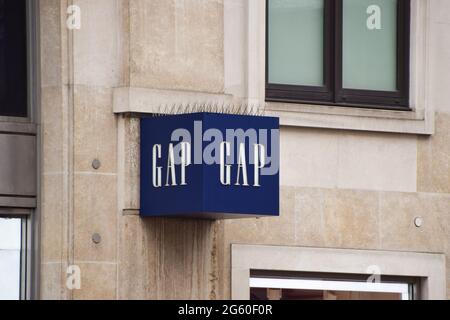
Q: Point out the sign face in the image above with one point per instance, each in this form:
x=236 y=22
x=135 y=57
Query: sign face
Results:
x=207 y=165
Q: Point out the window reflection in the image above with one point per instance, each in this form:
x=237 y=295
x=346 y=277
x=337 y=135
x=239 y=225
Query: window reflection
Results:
x=370 y=52
x=296 y=43
x=2 y=53
x=328 y=289
x=292 y=294
x=13 y=58
x=10 y=258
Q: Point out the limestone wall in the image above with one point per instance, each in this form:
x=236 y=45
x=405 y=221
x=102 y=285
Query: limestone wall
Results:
x=346 y=189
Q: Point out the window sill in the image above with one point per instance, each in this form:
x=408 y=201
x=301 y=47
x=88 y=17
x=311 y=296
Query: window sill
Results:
x=17 y=126
x=131 y=100
x=350 y=118
x=17 y=202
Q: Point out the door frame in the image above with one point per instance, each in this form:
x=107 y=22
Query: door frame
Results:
x=428 y=267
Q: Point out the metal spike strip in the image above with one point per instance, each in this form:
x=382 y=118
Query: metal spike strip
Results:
x=246 y=108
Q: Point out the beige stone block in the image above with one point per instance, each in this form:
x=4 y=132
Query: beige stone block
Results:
x=439 y=51
x=434 y=158
x=308 y=158
x=335 y=159
x=217 y=284
x=98 y=281
x=52 y=38
x=134 y=264
x=265 y=230
x=182 y=259
x=309 y=210
x=224 y=264
x=132 y=163
x=52 y=117
x=95 y=211
x=337 y=218
x=398 y=231
x=134 y=100
x=52 y=281
x=166 y=258
x=384 y=162
x=448 y=274
x=440 y=11
x=95 y=130
x=353 y=219
x=53 y=220
x=100 y=46
x=271 y=231
x=177 y=45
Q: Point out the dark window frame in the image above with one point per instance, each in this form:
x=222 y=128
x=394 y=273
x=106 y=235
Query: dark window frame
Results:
x=332 y=93
x=414 y=283
x=24 y=250
x=26 y=125
x=14 y=102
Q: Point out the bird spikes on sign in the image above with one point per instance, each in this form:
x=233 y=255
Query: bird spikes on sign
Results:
x=220 y=108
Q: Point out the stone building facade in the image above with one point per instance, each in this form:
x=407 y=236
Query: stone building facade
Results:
x=353 y=181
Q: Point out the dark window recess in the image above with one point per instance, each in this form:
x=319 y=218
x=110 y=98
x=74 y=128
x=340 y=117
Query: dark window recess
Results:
x=378 y=79
x=13 y=59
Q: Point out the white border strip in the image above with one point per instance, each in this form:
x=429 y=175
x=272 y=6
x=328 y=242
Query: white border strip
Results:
x=298 y=284
x=429 y=269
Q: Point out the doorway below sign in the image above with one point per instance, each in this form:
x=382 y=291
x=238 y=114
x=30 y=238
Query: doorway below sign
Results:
x=327 y=289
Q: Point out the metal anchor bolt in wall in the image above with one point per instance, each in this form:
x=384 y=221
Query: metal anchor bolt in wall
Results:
x=96 y=164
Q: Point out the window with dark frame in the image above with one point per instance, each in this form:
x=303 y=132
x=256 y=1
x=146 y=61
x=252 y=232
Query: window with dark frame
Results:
x=338 y=52
x=12 y=258
x=13 y=59
x=285 y=285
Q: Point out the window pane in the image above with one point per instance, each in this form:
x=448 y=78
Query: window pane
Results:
x=10 y=250
x=296 y=43
x=262 y=294
x=332 y=289
x=13 y=58
x=370 y=44
x=2 y=53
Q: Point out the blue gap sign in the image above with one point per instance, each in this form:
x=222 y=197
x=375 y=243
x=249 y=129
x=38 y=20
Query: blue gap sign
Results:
x=207 y=178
